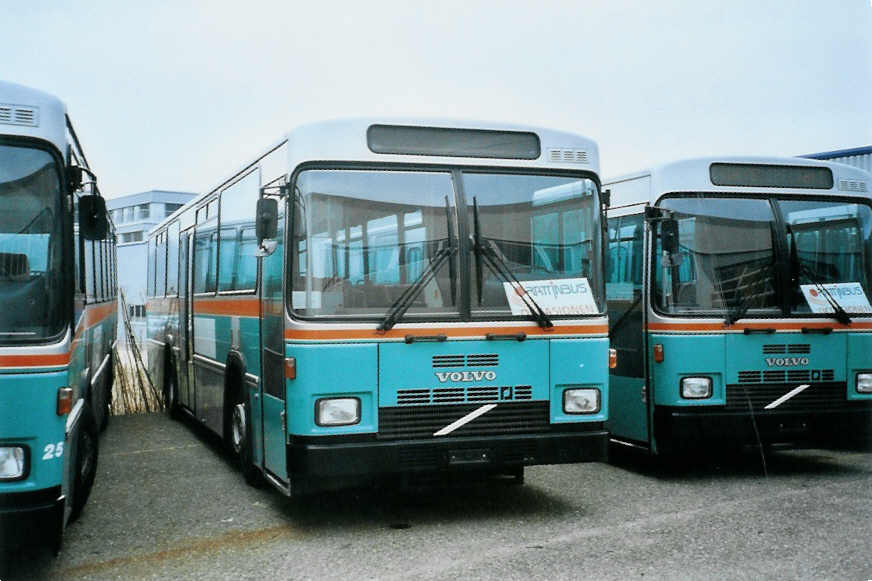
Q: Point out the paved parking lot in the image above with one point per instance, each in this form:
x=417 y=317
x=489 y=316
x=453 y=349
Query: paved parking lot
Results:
x=167 y=505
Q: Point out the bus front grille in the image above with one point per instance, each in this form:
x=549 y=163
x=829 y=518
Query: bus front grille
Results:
x=417 y=422
x=823 y=396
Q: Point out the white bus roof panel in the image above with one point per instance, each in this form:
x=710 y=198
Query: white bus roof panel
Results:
x=33 y=113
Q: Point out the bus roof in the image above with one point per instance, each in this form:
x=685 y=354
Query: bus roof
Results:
x=694 y=175
x=33 y=113
x=345 y=140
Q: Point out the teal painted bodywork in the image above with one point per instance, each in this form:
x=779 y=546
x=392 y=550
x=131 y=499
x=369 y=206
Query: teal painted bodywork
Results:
x=859 y=360
x=688 y=356
x=375 y=372
x=28 y=403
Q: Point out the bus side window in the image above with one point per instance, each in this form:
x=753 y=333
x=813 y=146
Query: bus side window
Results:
x=89 y=269
x=238 y=268
x=150 y=289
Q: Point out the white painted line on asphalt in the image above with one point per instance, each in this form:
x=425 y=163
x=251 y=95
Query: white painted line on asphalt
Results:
x=465 y=419
x=787 y=396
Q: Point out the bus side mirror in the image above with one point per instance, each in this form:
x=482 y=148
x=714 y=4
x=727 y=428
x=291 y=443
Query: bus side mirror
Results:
x=267 y=218
x=93 y=218
x=75 y=178
x=669 y=235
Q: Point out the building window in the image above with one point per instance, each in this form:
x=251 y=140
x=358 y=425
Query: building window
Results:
x=128 y=237
x=142 y=212
x=136 y=311
x=170 y=208
x=128 y=214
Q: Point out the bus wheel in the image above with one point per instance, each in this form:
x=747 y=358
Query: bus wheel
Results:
x=240 y=439
x=171 y=393
x=85 y=463
x=107 y=389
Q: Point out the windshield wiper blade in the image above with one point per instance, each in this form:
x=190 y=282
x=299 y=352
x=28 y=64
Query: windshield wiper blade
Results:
x=491 y=254
x=404 y=301
x=737 y=312
x=840 y=314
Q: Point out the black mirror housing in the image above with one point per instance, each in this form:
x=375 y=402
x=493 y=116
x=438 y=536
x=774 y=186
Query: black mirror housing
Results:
x=669 y=235
x=75 y=178
x=93 y=218
x=266 y=224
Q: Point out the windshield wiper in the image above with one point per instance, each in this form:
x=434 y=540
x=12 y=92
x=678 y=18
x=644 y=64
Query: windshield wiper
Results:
x=404 y=301
x=738 y=311
x=840 y=314
x=497 y=263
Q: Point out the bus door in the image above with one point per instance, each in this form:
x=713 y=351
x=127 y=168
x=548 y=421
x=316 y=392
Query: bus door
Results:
x=186 y=325
x=628 y=390
x=273 y=360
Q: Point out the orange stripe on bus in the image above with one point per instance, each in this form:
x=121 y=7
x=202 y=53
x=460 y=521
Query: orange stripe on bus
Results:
x=34 y=360
x=754 y=326
x=339 y=334
x=247 y=307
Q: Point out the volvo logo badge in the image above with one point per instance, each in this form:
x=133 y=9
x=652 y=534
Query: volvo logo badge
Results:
x=786 y=361
x=444 y=376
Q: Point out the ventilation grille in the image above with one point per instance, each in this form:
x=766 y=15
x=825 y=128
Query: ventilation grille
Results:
x=852 y=186
x=471 y=360
x=471 y=394
x=18 y=115
x=399 y=423
x=786 y=375
x=819 y=397
x=568 y=156
x=775 y=349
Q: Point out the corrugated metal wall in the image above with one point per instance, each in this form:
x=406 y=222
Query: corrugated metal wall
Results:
x=860 y=157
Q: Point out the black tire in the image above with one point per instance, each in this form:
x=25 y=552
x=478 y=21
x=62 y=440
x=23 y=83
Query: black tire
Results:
x=241 y=445
x=85 y=462
x=171 y=392
x=107 y=389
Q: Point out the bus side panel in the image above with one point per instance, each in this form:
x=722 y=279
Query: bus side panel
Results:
x=578 y=363
x=28 y=414
x=685 y=356
x=859 y=360
x=342 y=370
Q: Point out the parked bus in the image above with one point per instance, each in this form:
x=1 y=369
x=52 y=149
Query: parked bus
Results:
x=738 y=294
x=57 y=324
x=368 y=299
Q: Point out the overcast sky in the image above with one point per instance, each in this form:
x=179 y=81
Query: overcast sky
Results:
x=175 y=95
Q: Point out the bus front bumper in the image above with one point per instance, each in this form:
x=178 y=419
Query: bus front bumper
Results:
x=335 y=457
x=685 y=428
x=31 y=516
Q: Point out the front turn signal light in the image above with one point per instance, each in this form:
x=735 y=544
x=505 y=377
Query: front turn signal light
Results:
x=291 y=368
x=65 y=400
x=658 y=353
x=613 y=358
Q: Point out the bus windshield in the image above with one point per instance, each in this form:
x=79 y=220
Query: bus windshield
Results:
x=830 y=244
x=362 y=237
x=725 y=260
x=30 y=245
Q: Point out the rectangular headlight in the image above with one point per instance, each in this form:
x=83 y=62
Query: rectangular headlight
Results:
x=581 y=400
x=12 y=462
x=864 y=383
x=338 y=411
x=696 y=387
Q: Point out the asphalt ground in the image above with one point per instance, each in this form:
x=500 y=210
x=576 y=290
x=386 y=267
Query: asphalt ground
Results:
x=167 y=504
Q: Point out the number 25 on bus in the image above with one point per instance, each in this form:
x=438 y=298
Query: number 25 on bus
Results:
x=369 y=299
x=57 y=322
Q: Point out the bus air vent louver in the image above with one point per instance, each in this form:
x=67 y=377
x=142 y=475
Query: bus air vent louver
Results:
x=749 y=377
x=852 y=186
x=448 y=360
x=773 y=349
x=568 y=156
x=483 y=360
x=799 y=348
x=18 y=115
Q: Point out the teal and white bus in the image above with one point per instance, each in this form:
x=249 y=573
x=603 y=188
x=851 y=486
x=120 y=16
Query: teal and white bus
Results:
x=374 y=298
x=738 y=293
x=57 y=325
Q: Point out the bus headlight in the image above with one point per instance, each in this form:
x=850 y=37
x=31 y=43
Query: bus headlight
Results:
x=12 y=464
x=696 y=387
x=864 y=383
x=581 y=401
x=339 y=411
